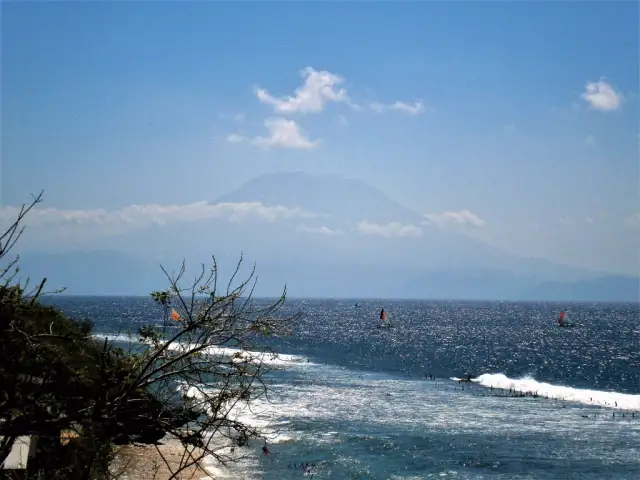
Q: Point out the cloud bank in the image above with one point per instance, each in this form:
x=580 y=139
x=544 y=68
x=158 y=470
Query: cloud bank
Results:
x=153 y=214
x=392 y=229
x=321 y=230
x=462 y=217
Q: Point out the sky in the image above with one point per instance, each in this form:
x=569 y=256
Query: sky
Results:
x=517 y=119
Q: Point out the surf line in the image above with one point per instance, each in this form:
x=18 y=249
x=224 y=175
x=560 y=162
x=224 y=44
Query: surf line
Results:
x=531 y=387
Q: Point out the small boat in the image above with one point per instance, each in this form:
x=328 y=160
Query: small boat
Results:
x=384 y=322
x=563 y=320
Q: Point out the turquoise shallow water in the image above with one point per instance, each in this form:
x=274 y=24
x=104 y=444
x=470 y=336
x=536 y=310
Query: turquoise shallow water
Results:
x=361 y=407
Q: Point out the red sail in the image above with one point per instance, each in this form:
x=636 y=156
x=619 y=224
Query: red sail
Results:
x=561 y=318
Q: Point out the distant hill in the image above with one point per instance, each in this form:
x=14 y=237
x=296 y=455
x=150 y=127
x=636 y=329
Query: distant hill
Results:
x=437 y=264
x=610 y=288
x=100 y=272
x=345 y=202
x=114 y=273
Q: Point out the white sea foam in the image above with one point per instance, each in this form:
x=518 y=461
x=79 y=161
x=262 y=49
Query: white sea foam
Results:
x=325 y=395
x=621 y=401
x=118 y=337
x=252 y=356
x=259 y=414
x=241 y=355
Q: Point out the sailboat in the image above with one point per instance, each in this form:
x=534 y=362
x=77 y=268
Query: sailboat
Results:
x=384 y=322
x=563 y=320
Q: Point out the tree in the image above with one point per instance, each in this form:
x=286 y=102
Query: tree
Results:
x=204 y=361
x=188 y=379
x=55 y=376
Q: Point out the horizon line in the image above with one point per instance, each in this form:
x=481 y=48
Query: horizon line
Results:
x=359 y=299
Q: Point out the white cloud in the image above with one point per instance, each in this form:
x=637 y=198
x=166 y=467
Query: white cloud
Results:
x=319 y=88
x=602 y=96
x=411 y=109
x=392 y=229
x=239 y=117
x=134 y=216
x=509 y=128
x=462 y=217
x=589 y=219
x=322 y=230
x=283 y=133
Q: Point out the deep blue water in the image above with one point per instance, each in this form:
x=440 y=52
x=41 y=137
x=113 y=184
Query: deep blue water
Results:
x=362 y=407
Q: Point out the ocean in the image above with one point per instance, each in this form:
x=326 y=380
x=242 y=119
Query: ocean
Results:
x=360 y=402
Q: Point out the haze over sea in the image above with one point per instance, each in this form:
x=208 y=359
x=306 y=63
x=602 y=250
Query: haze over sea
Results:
x=356 y=404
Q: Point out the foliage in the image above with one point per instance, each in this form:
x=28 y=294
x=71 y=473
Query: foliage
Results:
x=187 y=381
x=209 y=355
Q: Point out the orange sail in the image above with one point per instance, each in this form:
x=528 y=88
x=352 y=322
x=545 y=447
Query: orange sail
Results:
x=174 y=315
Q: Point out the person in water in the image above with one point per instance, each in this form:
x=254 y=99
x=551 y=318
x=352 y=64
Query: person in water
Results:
x=265 y=450
x=382 y=314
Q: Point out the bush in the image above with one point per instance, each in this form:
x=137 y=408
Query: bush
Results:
x=56 y=377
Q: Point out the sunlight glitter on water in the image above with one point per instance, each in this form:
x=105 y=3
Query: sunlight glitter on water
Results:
x=389 y=407
x=335 y=411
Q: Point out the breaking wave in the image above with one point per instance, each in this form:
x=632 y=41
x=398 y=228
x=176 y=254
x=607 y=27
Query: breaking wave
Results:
x=528 y=384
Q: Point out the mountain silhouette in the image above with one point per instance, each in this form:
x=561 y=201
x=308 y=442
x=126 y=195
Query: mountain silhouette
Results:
x=341 y=198
x=327 y=255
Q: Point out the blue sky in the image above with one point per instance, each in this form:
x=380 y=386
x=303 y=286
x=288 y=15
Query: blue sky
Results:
x=111 y=104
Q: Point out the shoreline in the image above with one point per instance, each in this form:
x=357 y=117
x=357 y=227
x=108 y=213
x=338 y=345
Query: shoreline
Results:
x=144 y=462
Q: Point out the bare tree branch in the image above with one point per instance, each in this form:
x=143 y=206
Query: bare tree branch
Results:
x=192 y=370
x=13 y=233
